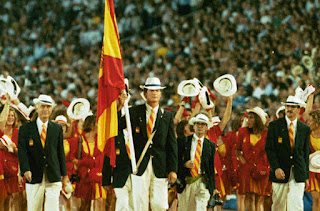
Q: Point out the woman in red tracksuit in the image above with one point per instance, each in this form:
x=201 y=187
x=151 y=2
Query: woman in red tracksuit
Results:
x=10 y=163
x=254 y=167
x=89 y=166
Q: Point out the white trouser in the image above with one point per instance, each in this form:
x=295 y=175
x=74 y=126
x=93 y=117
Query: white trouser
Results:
x=195 y=196
x=124 y=197
x=288 y=196
x=36 y=192
x=156 y=187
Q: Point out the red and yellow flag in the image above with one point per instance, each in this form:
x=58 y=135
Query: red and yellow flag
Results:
x=111 y=81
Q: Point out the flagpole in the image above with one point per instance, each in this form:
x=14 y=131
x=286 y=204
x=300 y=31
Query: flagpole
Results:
x=132 y=153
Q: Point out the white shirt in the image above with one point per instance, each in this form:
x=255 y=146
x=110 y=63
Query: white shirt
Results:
x=294 y=126
x=39 y=125
x=148 y=114
x=194 y=144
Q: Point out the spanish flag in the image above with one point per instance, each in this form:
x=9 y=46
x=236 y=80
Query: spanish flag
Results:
x=111 y=81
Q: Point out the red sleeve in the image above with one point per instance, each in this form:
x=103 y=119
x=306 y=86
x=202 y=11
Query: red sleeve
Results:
x=213 y=133
x=241 y=134
x=15 y=134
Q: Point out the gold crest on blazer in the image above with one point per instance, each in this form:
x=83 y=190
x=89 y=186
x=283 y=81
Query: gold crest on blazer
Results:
x=30 y=142
x=117 y=151
x=137 y=129
x=280 y=140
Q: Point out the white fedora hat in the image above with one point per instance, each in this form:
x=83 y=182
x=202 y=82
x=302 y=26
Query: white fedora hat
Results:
x=293 y=100
x=45 y=99
x=13 y=88
x=152 y=83
x=7 y=142
x=282 y=108
x=200 y=118
x=204 y=98
x=189 y=88
x=314 y=162
x=260 y=112
x=79 y=109
x=62 y=119
x=22 y=108
x=67 y=191
x=226 y=85
x=215 y=120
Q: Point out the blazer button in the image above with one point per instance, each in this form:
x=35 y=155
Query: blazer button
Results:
x=44 y=157
x=151 y=156
x=292 y=166
x=46 y=165
x=291 y=157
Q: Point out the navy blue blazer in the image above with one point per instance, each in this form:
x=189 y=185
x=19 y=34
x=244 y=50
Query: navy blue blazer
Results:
x=33 y=157
x=122 y=170
x=279 y=152
x=164 y=149
x=207 y=162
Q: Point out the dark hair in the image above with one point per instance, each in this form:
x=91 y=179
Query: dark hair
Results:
x=258 y=126
x=236 y=124
x=89 y=123
x=180 y=128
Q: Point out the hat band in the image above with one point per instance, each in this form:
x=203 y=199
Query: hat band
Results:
x=292 y=102
x=201 y=119
x=45 y=101
x=152 y=85
x=24 y=114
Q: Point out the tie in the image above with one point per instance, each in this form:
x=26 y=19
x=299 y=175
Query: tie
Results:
x=150 y=123
x=195 y=171
x=291 y=135
x=128 y=149
x=43 y=135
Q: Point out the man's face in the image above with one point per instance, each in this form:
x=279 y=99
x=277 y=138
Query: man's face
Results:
x=44 y=111
x=292 y=111
x=153 y=96
x=200 y=128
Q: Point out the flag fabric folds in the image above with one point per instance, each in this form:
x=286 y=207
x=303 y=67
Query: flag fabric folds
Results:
x=111 y=81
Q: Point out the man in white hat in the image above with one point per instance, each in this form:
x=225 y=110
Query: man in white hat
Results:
x=196 y=167
x=160 y=162
x=287 y=149
x=41 y=157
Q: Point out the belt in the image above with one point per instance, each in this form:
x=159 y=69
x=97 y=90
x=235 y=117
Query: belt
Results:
x=190 y=180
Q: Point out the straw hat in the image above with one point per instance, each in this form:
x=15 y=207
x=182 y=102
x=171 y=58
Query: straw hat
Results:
x=152 y=83
x=79 y=109
x=260 y=112
x=314 y=162
x=189 y=88
x=45 y=99
x=226 y=85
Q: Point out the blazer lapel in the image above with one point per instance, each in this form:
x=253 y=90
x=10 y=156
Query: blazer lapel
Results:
x=296 y=139
x=188 y=148
x=158 y=119
x=205 y=150
x=285 y=133
x=143 y=121
x=36 y=134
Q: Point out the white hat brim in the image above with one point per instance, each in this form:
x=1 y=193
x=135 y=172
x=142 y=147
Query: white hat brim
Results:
x=204 y=94
x=260 y=114
x=230 y=91
x=196 y=89
x=314 y=162
x=152 y=87
x=193 y=120
x=25 y=115
x=83 y=115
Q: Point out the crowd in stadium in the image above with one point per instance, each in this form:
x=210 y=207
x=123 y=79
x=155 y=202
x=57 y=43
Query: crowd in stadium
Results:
x=270 y=47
